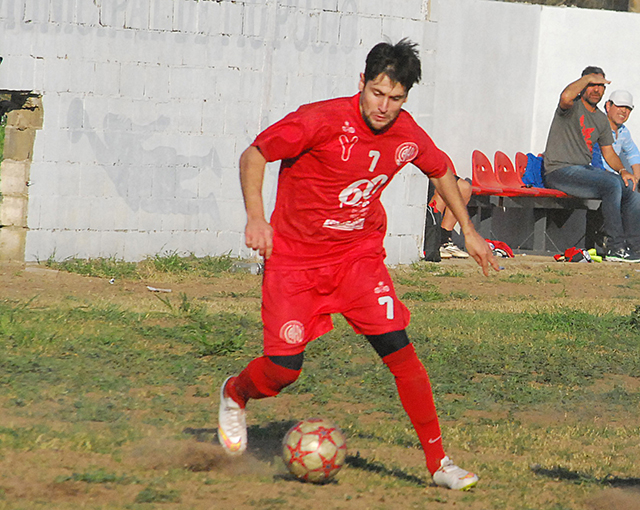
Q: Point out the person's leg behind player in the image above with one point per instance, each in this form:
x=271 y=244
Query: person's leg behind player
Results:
x=414 y=389
x=447 y=248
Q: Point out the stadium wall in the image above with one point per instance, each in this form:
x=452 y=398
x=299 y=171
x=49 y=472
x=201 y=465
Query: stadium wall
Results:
x=501 y=68
x=148 y=104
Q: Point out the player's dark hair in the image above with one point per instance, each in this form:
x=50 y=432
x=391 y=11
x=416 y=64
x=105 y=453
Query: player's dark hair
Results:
x=400 y=62
x=592 y=70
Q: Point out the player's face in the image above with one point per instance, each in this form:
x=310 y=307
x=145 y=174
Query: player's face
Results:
x=618 y=114
x=380 y=101
x=593 y=93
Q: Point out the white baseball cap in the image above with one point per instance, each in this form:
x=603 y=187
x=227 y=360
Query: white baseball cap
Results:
x=621 y=98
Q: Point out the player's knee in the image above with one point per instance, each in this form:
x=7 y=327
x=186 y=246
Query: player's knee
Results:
x=277 y=375
x=388 y=343
x=293 y=361
x=465 y=189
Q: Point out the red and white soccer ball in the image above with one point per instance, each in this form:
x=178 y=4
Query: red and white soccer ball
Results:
x=314 y=450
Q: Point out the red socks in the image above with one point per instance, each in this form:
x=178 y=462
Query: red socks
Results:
x=263 y=378
x=260 y=379
x=415 y=394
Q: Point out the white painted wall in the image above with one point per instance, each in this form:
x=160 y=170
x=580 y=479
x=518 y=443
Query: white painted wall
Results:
x=607 y=39
x=501 y=68
x=148 y=103
x=486 y=68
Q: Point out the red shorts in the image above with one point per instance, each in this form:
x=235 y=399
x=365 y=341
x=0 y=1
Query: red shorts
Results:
x=297 y=304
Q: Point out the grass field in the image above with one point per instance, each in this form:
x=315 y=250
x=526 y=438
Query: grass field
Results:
x=109 y=391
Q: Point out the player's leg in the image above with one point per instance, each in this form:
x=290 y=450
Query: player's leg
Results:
x=414 y=389
x=263 y=377
x=371 y=306
x=447 y=248
x=290 y=321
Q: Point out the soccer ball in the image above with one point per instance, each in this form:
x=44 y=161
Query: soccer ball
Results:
x=314 y=450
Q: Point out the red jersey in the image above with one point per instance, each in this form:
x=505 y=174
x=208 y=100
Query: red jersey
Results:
x=334 y=168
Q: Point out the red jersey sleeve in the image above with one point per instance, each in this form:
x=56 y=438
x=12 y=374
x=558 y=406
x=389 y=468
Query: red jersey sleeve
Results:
x=431 y=161
x=294 y=134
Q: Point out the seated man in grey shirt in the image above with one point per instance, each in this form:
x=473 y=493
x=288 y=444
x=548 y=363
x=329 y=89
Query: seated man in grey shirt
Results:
x=577 y=125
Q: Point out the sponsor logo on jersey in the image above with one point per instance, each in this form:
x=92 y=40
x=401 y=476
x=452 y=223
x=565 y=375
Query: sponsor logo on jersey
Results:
x=406 y=152
x=344 y=225
x=347 y=128
x=381 y=288
x=292 y=332
x=359 y=192
x=347 y=145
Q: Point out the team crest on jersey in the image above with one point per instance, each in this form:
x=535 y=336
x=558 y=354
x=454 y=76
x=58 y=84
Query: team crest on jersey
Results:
x=292 y=332
x=347 y=144
x=406 y=152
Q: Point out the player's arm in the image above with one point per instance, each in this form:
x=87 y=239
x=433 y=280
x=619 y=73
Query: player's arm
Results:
x=258 y=233
x=613 y=160
x=475 y=245
x=573 y=90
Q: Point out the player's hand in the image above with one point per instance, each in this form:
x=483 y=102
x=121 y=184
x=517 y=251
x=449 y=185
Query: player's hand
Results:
x=597 y=79
x=629 y=179
x=258 y=235
x=480 y=251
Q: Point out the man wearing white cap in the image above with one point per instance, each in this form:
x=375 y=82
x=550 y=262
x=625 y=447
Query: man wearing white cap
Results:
x=618 y=108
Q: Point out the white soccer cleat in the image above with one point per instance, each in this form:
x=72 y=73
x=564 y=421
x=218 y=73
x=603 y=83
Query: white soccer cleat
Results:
x=232 y=424
x=452 y=250
x=452 y=477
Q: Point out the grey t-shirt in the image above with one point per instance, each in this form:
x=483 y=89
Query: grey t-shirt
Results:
x=572 y=135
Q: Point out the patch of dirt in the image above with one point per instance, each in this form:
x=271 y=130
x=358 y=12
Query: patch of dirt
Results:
x=616 y=499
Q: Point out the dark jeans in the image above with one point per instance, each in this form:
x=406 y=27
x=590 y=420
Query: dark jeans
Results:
x=620 y=203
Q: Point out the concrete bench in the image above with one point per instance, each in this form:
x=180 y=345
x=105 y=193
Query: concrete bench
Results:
x=537 y=224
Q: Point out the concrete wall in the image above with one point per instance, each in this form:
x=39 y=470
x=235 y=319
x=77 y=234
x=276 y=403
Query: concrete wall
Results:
x=501 y=68
x=486 y=67
x=148 y=103
x=564 y=53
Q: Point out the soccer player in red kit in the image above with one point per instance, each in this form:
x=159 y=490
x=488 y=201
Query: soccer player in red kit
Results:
x=324 y=249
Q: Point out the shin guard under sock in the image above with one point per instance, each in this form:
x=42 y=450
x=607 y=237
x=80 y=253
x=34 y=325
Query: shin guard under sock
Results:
x=415 y=394
x=260 y=379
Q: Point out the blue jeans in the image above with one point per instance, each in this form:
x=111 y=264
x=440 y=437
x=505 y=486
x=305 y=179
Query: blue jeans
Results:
x=620 y=203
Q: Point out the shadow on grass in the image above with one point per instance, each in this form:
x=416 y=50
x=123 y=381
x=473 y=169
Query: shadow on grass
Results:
x=357 y=462
x=202 y=435
x=560 y=473
x=265 y=441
